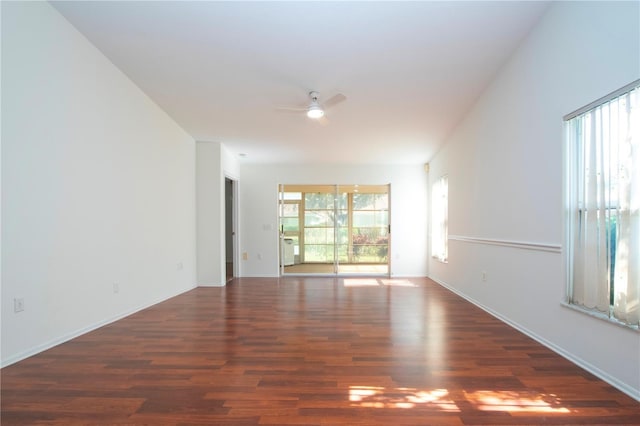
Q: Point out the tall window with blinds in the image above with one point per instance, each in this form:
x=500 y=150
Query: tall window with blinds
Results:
x=603 y=199
x=439 y=219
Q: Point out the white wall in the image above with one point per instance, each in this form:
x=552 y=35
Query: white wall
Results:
x=259 y=211
x=98 y=187
x=505 y=165
x=209 y=214
x=214 y=163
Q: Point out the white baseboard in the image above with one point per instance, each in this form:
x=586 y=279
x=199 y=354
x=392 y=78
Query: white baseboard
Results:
x=66 y=337
x=623 y=387
x=258 y=276
x=211 y=284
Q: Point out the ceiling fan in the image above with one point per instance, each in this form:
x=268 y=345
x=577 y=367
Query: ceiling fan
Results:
x=315 y=109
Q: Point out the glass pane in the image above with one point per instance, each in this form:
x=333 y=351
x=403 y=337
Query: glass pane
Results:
x=290 y=223
x=363 y=218
x=343 y=255
x=343 y=236
x=319 y=253
x=363 y=201
x=361 y=237
x=342 y=230
x=296 y=244
x=342 y=218
x=382 y=218
x=383 y=239
x=318 y=235
x=370 y=253
x=291 y=196
x=370 y=245
x=382 y=202
x=289 y=210
x=318 y=201
x=318 y=218
x=369 y=235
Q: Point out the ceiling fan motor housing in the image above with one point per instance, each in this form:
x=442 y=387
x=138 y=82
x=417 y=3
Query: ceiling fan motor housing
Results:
x=315 y=111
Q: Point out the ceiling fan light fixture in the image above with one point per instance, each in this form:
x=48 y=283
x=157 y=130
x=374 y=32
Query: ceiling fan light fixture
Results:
x=315 y=111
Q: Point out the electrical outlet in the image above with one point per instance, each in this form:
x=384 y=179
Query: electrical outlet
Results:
x=259 y=256
x=179 y=266
x=245 y=256
x=18 y=305
x=116 y=288
x=484 y=276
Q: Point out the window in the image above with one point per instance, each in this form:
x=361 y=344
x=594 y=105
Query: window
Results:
x=439 y=218
x=603 y=194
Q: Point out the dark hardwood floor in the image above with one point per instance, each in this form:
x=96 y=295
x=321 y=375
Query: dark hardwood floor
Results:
x=309 y=351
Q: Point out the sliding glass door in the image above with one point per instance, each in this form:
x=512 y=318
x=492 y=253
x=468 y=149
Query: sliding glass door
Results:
x=369 y=229
x=334 y=229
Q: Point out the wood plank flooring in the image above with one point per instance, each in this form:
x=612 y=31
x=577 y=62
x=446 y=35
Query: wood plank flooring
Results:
x=308 y=351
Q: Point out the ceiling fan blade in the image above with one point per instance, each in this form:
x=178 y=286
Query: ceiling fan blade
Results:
x=335 y=99
x=283 y=108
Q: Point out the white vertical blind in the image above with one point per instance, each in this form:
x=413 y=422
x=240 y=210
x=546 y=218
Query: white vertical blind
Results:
x=626 y=294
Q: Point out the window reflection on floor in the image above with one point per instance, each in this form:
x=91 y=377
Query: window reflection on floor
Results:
x=440 y=399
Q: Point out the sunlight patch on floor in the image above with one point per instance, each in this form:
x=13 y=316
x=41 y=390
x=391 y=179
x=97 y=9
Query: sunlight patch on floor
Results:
x=440 y=399
x=379 y=397
x=514 y=402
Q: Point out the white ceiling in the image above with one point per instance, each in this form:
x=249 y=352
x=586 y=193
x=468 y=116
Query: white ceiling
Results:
x=409 y=70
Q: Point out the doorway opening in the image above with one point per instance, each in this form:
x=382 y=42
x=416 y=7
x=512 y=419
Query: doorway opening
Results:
x=334 y=229
x=230 y=234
